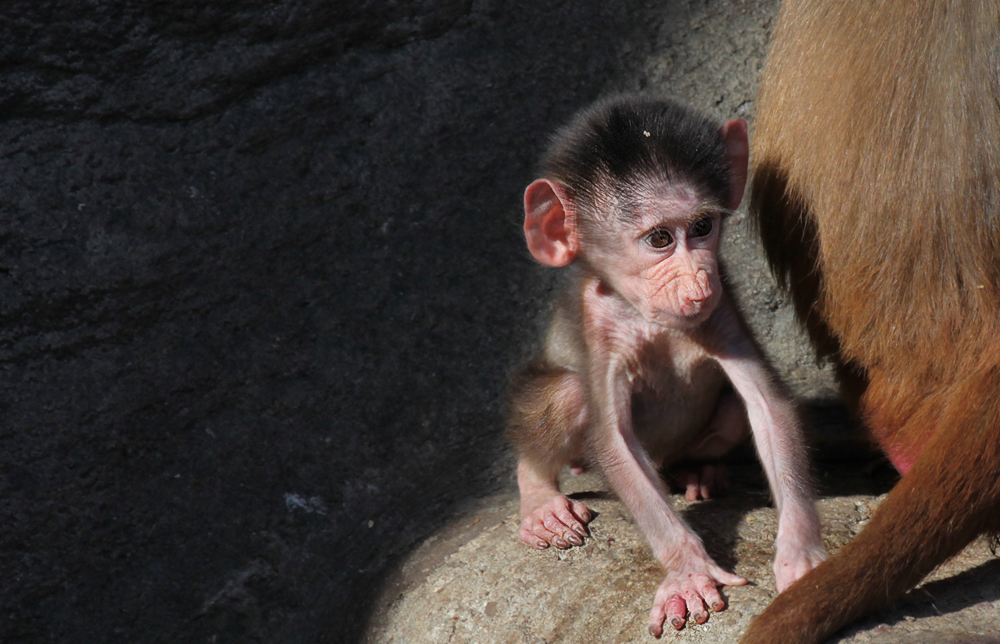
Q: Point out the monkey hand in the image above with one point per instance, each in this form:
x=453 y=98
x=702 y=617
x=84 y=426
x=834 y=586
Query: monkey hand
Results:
x=691 y=584
x=557 y=521
x=795 y=557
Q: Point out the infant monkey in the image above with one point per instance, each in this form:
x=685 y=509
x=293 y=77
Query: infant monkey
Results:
x=632 y=374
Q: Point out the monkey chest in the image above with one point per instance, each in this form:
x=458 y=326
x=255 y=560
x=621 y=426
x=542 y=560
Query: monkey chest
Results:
x=673 y=403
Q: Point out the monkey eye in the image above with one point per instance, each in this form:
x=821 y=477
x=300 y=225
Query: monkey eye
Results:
x=659 y=238
x=701 y=227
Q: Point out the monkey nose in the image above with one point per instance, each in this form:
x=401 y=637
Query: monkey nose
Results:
x=695 y=296
x=697 y=290
x=692 y=301
x=690 y=306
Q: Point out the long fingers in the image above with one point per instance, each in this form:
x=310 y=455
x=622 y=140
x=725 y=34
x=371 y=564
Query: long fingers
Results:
x=695 y=605
x=534 y=533
x=559 y=522
x=725 y=578
x=574 y=516
x=677 y=602
x=671 y=610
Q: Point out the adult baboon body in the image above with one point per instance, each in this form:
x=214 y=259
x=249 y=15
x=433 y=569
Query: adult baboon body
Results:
x=876 y=190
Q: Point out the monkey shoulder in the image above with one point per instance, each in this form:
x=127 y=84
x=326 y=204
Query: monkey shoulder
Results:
x=564 y=345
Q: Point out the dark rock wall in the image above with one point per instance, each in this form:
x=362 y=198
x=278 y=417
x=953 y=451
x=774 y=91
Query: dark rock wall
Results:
x=260 y=281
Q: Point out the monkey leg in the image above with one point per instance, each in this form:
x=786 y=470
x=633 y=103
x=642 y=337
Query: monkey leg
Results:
x=951 y=495
x=548 y=415
x=727 y=428
x=547 y=516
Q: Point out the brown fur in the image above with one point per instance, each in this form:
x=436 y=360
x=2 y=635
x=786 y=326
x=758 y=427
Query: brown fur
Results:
x=877 y=195
x=539 y=410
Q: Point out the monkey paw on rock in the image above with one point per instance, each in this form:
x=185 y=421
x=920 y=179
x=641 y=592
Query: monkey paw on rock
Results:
x=558 y=521
x=689 y=591
x=794 y=558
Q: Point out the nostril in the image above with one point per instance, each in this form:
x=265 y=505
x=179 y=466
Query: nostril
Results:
x=690 y=307
x=697 y=295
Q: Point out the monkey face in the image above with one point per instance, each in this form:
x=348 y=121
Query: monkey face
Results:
x=667 y=261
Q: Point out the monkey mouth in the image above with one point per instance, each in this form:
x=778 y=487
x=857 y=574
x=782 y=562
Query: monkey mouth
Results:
x=699 y=316
x=683 y=320
x=684 y=316
x=694 y=310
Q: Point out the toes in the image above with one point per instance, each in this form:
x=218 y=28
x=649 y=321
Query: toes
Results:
x=539 y=532
x=574 y=530
x=672 y=611
x=676 y=612
x=693 y=486
x=534 y=534
x=709 y=481
x=695 y=606
x=711 y=597
x=560 y=523
x=563 y=537
x=689 y=600
x=727 y=578
x=701 y=483
x=533 y=541
x=582 y=512
x=656 y=617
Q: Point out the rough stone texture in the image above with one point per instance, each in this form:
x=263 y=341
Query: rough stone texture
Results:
x=475 y=582
x=261 y=280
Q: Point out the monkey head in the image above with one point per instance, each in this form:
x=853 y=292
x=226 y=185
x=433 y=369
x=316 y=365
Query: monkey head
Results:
x=639 y=202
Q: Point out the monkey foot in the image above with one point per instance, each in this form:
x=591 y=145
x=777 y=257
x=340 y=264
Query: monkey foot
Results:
x=795 y=557
x=701 y=482
x=689 y=593
x=559 y=522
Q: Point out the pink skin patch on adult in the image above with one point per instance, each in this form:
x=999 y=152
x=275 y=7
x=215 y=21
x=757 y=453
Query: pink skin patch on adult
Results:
x=902 y=458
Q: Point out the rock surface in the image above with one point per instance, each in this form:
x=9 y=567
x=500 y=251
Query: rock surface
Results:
x=475 y=582
x=261 y=280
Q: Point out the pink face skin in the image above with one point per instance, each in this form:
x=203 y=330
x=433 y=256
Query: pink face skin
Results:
x=665 y=261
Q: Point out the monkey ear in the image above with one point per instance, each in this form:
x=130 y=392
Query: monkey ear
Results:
x=734 y=135
x=550 y=223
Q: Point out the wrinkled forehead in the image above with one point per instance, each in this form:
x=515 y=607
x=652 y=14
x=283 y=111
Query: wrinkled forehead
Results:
x=650 y=200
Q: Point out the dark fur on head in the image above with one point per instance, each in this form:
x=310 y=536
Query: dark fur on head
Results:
x=606 y=147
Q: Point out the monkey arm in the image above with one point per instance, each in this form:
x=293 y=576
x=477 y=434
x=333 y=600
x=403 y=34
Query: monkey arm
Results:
x=633 y=476
x=781 y=447
x=692 y=577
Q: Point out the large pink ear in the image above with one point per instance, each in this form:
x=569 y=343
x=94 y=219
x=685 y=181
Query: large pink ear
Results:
x=734 y=135
x=550 y=223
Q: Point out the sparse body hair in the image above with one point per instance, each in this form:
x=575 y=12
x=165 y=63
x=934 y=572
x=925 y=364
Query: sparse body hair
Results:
x=876 y=190
x=635 y=370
